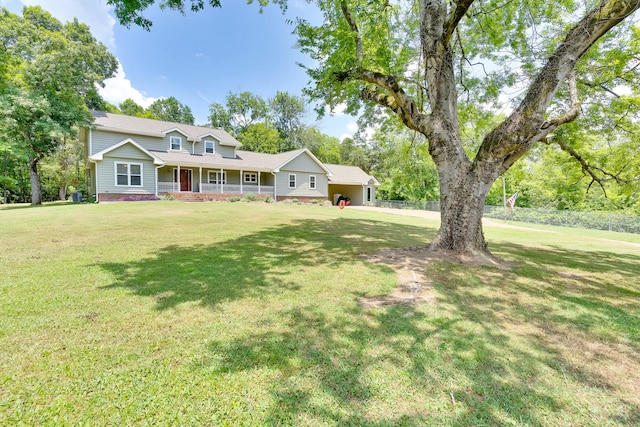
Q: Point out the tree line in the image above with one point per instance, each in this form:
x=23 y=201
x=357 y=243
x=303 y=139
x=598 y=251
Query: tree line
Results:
x=47 y=87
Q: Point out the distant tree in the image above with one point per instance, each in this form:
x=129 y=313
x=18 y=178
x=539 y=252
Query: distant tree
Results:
x=402 y=164
x=356 y=152
x=240 y=111
x=94 y=101
x=51 y=69
x=287 y=115
x=110 y=108
x=130 y=108
x=326 y=148
x=171 y=110
x=62 y=169
x=260 y=137
x=219 y=117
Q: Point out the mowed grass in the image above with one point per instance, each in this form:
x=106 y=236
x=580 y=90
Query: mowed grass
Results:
x=247 y=314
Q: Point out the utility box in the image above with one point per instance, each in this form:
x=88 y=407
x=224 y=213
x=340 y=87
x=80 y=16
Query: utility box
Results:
x=76 y=197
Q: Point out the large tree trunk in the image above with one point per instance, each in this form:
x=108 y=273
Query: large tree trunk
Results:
x=463 y=189
x=36 y=193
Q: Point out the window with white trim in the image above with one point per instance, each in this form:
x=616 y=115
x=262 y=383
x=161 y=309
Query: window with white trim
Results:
x=250 y=177
x=292 y=180
x=217 y=177
x=176 y=143
x=128 y=174
x=209 y=147
x=312 y=182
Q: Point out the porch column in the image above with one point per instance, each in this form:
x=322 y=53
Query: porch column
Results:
x=179 y=183
x=222 y=181
x=241 y=179
x=258 y=182
x=200 y=181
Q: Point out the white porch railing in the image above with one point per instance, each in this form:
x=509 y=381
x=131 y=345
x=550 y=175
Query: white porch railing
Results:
x=236 y=189
x=168 y=187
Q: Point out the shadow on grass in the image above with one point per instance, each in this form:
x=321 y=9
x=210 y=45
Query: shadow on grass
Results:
x=258 y=263
x=12 y=206
x=499 y=350
x=499 y=347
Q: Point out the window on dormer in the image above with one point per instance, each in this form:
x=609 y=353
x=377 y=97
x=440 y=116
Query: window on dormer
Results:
x=209 y=147
x=176 y=143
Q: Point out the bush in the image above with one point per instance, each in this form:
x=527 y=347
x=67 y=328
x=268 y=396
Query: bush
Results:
x=233 y=199
x=250 y=197
x=268 y=199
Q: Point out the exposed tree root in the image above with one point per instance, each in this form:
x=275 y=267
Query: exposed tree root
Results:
x=410 y=264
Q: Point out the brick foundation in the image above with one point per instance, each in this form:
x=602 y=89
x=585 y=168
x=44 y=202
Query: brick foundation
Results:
x=119 y=197
x=301 y=199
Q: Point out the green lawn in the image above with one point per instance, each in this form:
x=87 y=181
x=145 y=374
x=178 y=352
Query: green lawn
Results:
x=168 y=313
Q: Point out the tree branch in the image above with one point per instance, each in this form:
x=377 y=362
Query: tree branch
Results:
x=462 y=6
x=572 y=113
x=354 y=27
x=396 y=98
x=587 y=168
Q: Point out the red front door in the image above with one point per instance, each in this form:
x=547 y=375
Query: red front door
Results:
x=185 y=180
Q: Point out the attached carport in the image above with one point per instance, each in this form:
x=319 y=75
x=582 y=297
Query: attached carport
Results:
x=352 y=182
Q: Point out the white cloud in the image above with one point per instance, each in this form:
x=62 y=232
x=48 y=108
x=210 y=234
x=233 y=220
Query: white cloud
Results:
x=119 y=88
x=339 y=110
x=97 y=15
x=94 y=13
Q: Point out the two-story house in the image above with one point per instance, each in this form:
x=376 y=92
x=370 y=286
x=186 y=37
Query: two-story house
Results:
x=130 y=156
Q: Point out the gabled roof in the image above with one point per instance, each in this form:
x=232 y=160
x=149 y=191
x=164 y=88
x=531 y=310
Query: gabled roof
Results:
x=100 y=155
x=289 y=156
x=350 y=175
x=157 y=128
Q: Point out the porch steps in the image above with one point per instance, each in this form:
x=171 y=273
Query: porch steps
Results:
x=189 y=197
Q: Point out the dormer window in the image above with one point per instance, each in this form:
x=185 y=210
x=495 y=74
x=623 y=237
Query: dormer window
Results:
x=176 y=143
x=209 y=147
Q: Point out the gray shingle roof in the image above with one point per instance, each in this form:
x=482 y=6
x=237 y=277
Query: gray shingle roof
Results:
x=349 y=175
x=140 y=126
x=243 y=160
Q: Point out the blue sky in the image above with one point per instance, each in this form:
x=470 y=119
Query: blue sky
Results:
x=201 y=57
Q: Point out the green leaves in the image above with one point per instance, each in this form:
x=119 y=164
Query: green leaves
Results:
x=50 y=67
x=171 y=110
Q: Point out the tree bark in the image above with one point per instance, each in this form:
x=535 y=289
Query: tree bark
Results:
x=36 y=193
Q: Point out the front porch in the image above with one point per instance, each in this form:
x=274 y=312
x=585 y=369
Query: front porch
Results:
x=214 y=181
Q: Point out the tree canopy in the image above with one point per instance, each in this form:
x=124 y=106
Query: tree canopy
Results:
x=171 y=110
x=49 y=69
